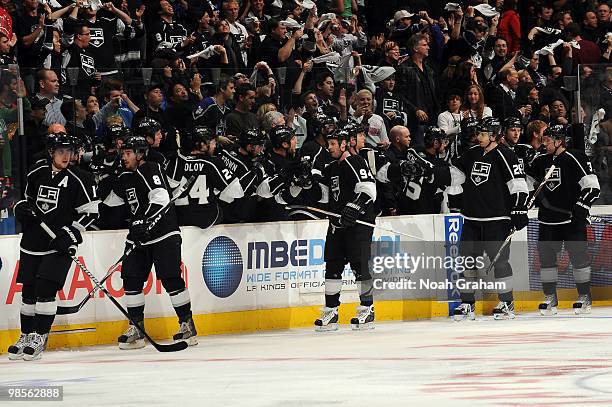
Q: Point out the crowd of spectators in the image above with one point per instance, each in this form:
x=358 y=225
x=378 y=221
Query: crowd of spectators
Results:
x=235 y=65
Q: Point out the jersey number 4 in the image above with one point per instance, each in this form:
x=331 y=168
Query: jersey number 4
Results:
x=197 y=191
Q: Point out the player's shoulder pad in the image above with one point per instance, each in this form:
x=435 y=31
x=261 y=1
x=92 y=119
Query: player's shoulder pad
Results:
x=38 y=165
x=81 y=174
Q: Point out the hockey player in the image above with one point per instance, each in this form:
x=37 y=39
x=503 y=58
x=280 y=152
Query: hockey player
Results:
x=199 y=204
x=106 y=167
x=281 y=163
x=242 y=160
x=64 y=198
x=151 y=130
x=564 y=205
x=144 y=188
x=513 y=129
x=427 y=191
x=494 y=201
x=352 y=192
x=315 y=149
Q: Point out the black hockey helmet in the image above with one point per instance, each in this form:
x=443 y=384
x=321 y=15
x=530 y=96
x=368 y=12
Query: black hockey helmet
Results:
x=252 y=136
x=490 y=125
x=202 y=134
x=198 y=134
x=556 y=132
x=354 y=129
x=137 y=143
x=280 y=135
x=323 y=124
x=512 y=122
x=116 y=132
x=147 y=127
x=77 y=142
x=340 y=135
x=59 y=140
x=432 y=134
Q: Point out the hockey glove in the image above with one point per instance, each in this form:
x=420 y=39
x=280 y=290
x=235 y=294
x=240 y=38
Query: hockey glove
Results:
x=580 y=216
x=139 y=231
x=425 y=168
x=519 y=219
x=350 y=213
x=24 y=212
x=259 y=168
x=409 y=170
x=66 y=240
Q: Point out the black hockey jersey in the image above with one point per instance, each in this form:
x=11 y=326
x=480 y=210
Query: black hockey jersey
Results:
x=241 y=209
x=426 y=195
x=199 y=204
x=345 y=180
x=171 y=34
x=525 y=154
x=211 y=115
x=81 y=58
x=494 y=183
x=103 y=30
x=571 y=183
x=318 y=156
x=64 y=198
x=146 y=192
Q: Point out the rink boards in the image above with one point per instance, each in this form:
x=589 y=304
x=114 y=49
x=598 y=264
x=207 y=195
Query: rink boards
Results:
x=270 y=276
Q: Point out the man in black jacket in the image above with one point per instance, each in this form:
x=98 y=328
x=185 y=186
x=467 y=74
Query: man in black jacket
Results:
x=417 y=83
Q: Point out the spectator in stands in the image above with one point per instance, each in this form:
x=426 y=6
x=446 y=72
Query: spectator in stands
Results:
x=48 y=85
x=241 y=118
x=510 y=26
x=474 y=104
x=450 y=119
x=416 y=81
x=230 y=13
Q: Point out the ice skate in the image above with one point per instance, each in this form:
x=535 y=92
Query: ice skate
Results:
x=35 y=346
x=504 y=310
x=463 y=311
x=583 y=304
x=15 y=352
x=364 y=319
x=132 y=338
x=187 y=332
x=549 y=305
x=328 y=320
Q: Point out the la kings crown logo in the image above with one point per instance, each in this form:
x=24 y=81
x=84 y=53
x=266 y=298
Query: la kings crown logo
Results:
x=555 y=179
x=88 y=65
x=480 y=172
x=97 y=37
x=47 y=198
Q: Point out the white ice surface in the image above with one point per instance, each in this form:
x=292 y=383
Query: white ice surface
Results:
x=530 y=361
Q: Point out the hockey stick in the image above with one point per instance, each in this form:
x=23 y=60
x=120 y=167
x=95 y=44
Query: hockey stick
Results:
x=361 y=222
x=171 y=347
x=65 y=310
x=513 y=230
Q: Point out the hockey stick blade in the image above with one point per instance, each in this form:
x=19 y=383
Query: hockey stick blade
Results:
x=171 y=347
x=335 y=215
x=73 y=309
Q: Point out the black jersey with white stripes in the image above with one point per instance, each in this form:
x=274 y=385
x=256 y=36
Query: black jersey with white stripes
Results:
x=571 y=183
x=494 y=183
x=146 y=192
x=214 y=182
x=64 y=198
